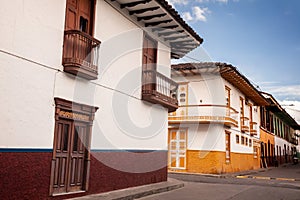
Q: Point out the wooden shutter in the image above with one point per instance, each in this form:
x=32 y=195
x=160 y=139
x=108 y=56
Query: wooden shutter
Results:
x=80 y=15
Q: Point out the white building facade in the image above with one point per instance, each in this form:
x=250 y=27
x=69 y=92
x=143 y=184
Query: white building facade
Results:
x=216 y=127
x=85 y=94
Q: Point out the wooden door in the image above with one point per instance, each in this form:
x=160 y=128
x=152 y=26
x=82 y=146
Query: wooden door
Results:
x=149 y=63
x=70 y=155
x=177 y=149
x=62 y=156
x=78 y=152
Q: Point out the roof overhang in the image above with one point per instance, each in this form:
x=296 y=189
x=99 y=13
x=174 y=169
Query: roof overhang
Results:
x=159 y=18
x=276 y=108
x=226 y=71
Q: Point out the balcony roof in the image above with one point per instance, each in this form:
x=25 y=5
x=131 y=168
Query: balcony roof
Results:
x=280 y=112
x=226 y=71
x=160 y=18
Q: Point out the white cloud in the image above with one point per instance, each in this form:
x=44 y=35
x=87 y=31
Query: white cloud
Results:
x=293 y=108
x=288 y=92
x=200 y=13
x=216 y=1
x=222 y=1
x=178 y=2
x=197 y=14
x=187 y=16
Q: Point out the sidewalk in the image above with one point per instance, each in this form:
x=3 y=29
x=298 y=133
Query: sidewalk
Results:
x=285 y=172
x=136 y=192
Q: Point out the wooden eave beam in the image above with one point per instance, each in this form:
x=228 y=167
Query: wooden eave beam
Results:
x=165 y=27
x=176 y=55
x=158 y=22
x=184 y=74
x=176 y=37
x=169 y=33
x=192 y=46
x=180 y=50
x=141 y=11
x=132 y=4
x=151 y=17
x=182 y=42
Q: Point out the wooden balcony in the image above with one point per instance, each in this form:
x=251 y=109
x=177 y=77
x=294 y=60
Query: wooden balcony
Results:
x=205 y=114
x=80 y=54
x=253 y=128
x=245 y=124
x=159 y=89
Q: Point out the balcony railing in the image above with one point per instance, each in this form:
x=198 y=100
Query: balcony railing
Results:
x=245 y=124
x=80 y=54
x=159 y=89
x=253 y=128
x=206 y=114
x=294 y=141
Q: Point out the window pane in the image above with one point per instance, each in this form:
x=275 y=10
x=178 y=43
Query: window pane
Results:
x=66 y=137
x=75 y=141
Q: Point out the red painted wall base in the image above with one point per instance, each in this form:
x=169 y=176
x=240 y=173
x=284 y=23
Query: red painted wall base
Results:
x=26 y=175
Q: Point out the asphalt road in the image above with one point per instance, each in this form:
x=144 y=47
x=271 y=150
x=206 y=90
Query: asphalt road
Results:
x=219 y=191
x=199 y=187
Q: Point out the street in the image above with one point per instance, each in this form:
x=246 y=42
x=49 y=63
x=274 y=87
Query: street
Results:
x=274 y=184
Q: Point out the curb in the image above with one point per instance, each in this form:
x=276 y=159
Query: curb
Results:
x=136 y=192
x=200 y=174
x=267 y=178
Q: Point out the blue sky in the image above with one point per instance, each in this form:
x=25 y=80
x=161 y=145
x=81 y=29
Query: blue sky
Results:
x=260 y=37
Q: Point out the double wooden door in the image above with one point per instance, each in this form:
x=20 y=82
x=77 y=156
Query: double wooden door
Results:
x=177 y=148
x=69 y=169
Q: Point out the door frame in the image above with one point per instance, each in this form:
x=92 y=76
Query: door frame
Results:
x=72 y=113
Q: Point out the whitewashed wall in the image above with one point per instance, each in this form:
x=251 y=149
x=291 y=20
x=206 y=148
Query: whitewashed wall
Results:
x=280 y=143
x=32 y=45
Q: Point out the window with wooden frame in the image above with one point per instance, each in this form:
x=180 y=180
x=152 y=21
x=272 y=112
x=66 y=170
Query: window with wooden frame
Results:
x=80 y=50
x=156 y=88
x=243 y=140
x=71 y=147
x=250 y=142
x=255 y=151
x=242 y=112
x=246 y=141
x=227 y=147
x=237 y=139
x=227 y=96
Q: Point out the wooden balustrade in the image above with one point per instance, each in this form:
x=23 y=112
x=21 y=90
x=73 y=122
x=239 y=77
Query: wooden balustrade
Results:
x=159 y=89
x=253 y=128
x=80 y=54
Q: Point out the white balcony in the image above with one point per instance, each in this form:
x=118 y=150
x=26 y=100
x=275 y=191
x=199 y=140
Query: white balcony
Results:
x=205 y=114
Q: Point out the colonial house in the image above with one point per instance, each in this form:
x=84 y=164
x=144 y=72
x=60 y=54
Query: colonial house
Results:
x=216 y=127
x=279 y=138
x=85 y=94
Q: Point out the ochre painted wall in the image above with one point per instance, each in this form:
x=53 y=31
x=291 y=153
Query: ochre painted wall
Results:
x=213 y=162
x=266 y=136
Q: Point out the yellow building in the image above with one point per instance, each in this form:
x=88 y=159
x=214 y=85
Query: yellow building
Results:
x=216 y=127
